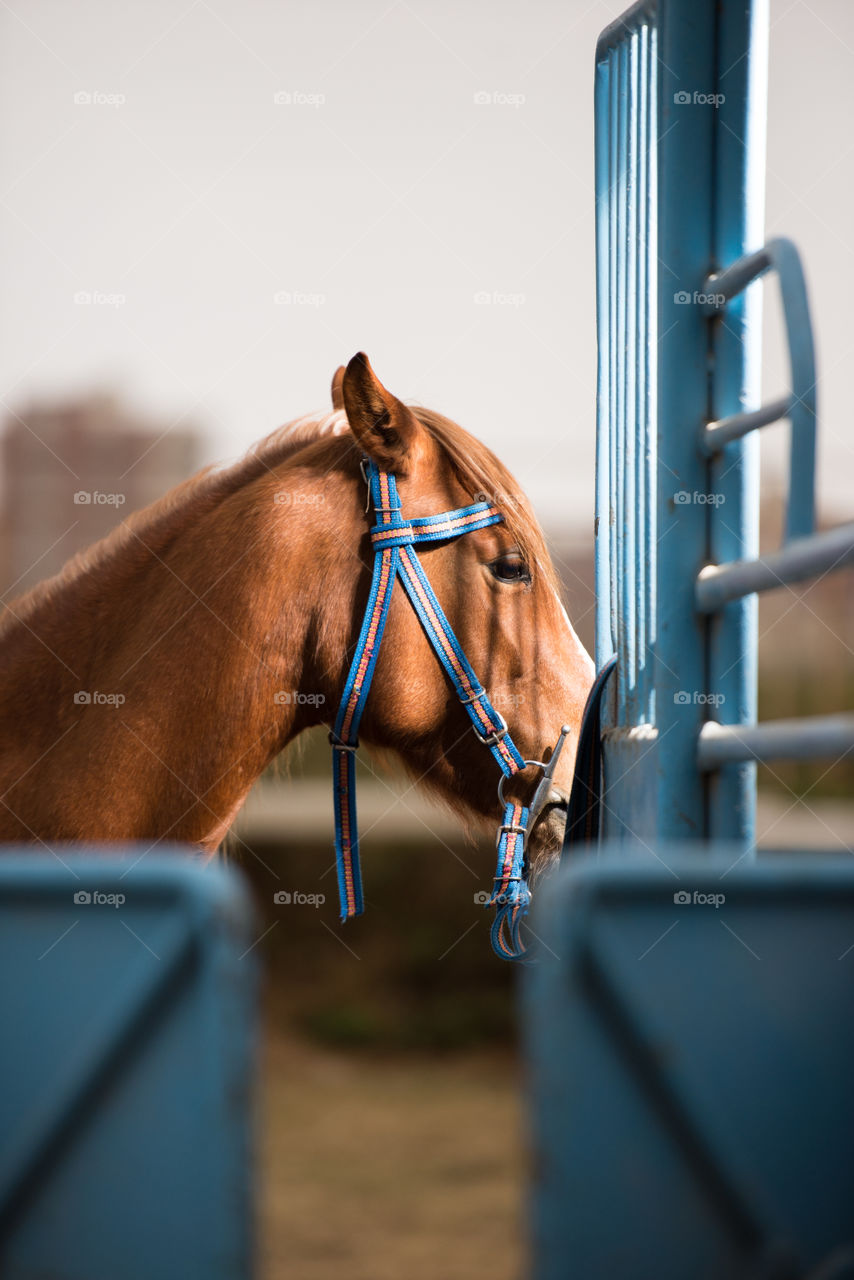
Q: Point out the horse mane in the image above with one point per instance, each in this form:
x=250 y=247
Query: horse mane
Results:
x=153 y=528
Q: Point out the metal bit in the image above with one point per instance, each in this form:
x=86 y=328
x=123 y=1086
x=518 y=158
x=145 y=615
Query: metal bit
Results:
x=542 y=791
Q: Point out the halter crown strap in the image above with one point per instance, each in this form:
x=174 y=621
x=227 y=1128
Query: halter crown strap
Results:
x=394 y=540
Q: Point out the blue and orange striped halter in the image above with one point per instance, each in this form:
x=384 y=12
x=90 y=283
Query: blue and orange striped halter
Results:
x=394 y=541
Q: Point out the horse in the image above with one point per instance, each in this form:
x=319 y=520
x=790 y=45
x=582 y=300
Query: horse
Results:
x=149 y=683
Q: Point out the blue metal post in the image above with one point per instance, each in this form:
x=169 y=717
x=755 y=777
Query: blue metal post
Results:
x=739 y=214
x=686 y=195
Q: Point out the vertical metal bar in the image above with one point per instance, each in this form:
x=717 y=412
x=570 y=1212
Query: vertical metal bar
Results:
x=621 y=459
x=733 y=482
x=628 y=533
x=613 y=124
x=651 y=360
x=642 y=710
x=603 y=525
x=686 y=139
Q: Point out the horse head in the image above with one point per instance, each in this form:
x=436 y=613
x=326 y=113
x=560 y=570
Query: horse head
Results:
x=499 y=592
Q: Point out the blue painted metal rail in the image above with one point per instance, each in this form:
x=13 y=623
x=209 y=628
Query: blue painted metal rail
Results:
x=680 y=117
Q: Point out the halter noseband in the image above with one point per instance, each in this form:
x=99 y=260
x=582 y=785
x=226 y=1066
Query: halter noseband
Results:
x=394 y=541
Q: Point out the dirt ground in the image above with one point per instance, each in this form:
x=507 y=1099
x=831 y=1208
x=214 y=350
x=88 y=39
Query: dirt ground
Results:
x=384 y=1168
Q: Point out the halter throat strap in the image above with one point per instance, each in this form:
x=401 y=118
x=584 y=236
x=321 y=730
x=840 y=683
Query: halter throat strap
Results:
x=394 y=541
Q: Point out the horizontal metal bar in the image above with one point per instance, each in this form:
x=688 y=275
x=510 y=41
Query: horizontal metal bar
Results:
x=717 y=434
x=721 y=286
x=781 y=255
x=811 y=738
x=804 y=558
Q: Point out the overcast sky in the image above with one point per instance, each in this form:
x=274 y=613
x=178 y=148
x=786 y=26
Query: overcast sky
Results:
x=238 y=248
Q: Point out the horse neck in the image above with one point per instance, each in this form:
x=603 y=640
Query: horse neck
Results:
x=210 y=638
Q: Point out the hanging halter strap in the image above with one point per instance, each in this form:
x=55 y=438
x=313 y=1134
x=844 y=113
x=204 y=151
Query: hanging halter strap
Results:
x=394 y=540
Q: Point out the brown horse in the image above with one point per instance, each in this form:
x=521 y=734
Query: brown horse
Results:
x=149 y=683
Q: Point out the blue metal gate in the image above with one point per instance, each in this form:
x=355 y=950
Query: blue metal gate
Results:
x=689 y=1018
x=680 y=124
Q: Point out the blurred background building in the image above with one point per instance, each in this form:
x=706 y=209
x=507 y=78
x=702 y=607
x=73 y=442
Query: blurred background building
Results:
x=73 y=469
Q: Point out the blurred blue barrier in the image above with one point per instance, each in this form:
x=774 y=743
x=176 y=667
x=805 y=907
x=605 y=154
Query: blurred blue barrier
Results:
x=127 y=1007
x=691 y=1057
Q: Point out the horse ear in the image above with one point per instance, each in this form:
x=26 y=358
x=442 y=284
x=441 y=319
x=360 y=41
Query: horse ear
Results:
x=383 y=426
x=337 y=388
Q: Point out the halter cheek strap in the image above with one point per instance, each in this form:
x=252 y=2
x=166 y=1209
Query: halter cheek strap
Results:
x=394 y=540
x=511 y=895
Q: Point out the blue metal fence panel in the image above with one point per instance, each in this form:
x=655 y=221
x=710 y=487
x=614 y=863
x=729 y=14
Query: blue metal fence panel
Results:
x=690 y=1055
x=626 y=122
x=128 y=1010
x=675 y=82
x=687 y=1015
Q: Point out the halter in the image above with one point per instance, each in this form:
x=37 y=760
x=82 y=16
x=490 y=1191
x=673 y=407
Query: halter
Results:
x=394 y=540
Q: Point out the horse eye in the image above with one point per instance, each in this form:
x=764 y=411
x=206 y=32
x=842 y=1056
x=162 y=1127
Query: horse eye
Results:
x=510 y=568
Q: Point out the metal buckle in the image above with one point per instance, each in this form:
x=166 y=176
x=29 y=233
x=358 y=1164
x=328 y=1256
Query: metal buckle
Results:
x=520 y=831
x=494 y=737
x=342 y=746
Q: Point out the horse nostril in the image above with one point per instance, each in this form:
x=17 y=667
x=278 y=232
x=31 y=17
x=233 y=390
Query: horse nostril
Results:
x=556 y=799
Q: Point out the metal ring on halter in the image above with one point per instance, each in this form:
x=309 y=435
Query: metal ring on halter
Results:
x=540 y=765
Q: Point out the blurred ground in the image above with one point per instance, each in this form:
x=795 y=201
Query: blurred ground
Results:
x=391 y=1107
x=380 y=1168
